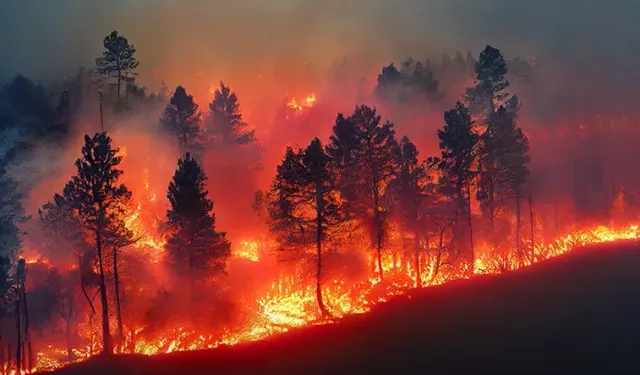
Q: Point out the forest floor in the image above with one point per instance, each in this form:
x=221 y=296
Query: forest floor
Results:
x=578 y=313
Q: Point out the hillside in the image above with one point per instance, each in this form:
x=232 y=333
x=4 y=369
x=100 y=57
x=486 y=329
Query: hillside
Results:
x=578 y=313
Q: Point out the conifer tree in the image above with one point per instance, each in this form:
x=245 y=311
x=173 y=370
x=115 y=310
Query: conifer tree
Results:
x=194 y=247
x=118 y=60
x=225 y=122
x=365 y=152
x=181 y=117
x=409 y=191
x=303 y=206
x=458 y=146
x=98 y=200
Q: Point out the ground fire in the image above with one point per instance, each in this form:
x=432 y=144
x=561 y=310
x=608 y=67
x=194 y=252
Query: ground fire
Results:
x=175 y=225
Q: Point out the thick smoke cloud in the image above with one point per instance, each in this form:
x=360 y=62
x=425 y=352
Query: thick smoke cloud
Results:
x=44 y=38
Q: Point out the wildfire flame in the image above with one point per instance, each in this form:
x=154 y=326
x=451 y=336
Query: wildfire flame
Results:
x=307 y=102
x=287 y=304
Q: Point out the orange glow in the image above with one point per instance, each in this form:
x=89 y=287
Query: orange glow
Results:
x=307 y=102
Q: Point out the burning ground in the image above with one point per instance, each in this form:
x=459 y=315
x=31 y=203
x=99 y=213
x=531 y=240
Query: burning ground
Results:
x=574 y=313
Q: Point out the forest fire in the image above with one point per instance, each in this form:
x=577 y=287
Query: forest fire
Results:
x=163 y=233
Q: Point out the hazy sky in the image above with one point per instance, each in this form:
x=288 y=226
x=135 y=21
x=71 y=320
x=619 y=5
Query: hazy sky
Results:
x=52 y=37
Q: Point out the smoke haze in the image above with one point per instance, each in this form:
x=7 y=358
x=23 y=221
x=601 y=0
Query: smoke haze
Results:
x=219 y=39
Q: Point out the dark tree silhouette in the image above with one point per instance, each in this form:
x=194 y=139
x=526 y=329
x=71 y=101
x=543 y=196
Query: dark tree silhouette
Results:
x=225 y=120
x=98 y=200
x=118 y=60
x=489 y=91
x=458 y=146
x=412 y=81
x=181 y=116
x=505 y=164
x=303 y=206
x=388 y=81
x=194 y=246
x=409 y=191
x=366 y=155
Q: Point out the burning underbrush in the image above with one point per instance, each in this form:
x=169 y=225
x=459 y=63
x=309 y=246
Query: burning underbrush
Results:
x=271 y=297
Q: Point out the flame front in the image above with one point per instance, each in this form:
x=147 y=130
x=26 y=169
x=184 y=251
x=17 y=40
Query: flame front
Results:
x=287 y=303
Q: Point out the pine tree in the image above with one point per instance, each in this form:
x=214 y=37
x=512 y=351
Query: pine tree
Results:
x=388 y=82
x=458 y=146
x=489 y=91
x=225 y=119
x=98 y=200
x=505 y=165
x=181 y=116
x=303 y=206
x=365 y=153
x=118 y=60
x=194 y=246
x=409 y=193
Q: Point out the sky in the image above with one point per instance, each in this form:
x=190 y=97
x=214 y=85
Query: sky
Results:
x=44 y=38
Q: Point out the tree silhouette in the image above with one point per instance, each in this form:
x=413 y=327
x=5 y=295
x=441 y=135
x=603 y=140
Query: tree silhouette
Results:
x=118 y=60
x=505 y=164
x=181 y=116
x=458 y=146
x=98 y=201
x=409 y=192
x=489 y=93
x=225 y=119
x=366 y=154
x=194 y=246
x=303 y=206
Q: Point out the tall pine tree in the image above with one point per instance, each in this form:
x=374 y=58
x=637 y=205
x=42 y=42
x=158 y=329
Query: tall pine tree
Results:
x=194 y=246
x=458 y=146
x=505 y=166
x=303 y=206
x=98 y=200
x=365 y=152
x=118 y=60
x=181 y=117
x=410 y=194
x=225 y=122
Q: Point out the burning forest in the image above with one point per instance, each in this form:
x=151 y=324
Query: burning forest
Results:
x=137 y=222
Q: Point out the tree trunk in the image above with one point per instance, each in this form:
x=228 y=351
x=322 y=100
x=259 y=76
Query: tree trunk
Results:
x=518 y=247
x=68 y=339
x=119 y=80
x=416 y=252
x=27 y=334
x=470 y=224
x=18 y=333
x=531 y=223
x=319 y=211
x=116 y=281
x=378 y=220
x=107 y=347
x=192 y=287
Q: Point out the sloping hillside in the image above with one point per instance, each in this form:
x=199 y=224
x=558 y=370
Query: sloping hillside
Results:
x=578 y=313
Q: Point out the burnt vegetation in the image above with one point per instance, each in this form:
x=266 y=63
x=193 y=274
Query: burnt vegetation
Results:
x=348 y=220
